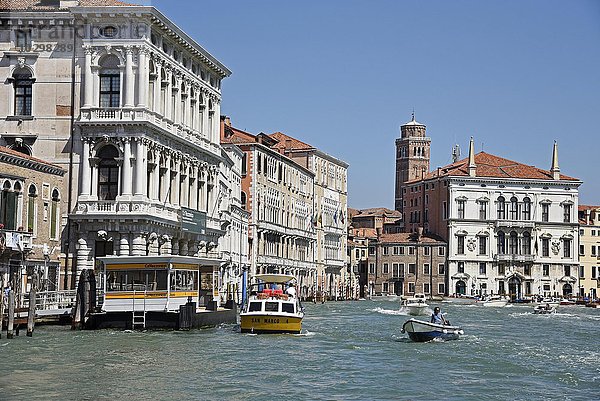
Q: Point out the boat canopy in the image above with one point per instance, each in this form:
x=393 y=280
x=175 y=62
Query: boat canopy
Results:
x=275 y=278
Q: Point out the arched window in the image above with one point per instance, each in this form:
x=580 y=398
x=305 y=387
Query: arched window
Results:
x=526 y=244
x=8 y=207
x=526 y=208
x=54 y=214
x=193 y=102
x=152 y=76
x=514 y=208
x=513 y=243
x=108 y=173
x=174 y=90
x=31 y=208
x=23 y=85
x=164 y=84
x=20 y=147
x=243 y=200
x=110 y=82
x=501 y=207
x=501 y=243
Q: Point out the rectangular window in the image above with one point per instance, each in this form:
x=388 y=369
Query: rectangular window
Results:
x=582 y=250
x=386 y=268
x=527 y=270
x=371 y=250
x=401 y=267
x=385 y=287
x=23 y=96
x=110 y=90
x=567 y=213
x=581 y=272
x=441 y=269
x=501 y=208
x=371 y=268
x=411 y=268
x=483 y=210
x=461 y=267
x=501 y=269
x=545 y=270
x=444 y=210
x=411 y=287
x=566 y=248
x=396 y=250
x=545 y=212
x=593 y=250
x=545 y=247
x=426 y=251
x=482 y=269
x=482 y=245
x=567 y=270
x=593 y=272
x=426 y=269
x=441 y=288
x=395 y=271
x=401 y=250
x=441 y=251
x=460 y=245
x=426 y=288
x=411 y=250
x=461 y=209
x=386 y=250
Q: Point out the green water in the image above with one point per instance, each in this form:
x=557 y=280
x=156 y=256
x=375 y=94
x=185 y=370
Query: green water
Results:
x=349 y=351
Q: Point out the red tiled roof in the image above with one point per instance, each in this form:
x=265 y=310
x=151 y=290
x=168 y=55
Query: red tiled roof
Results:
x=39 y=5
x=364 y=232
x=11 y=152
x=492 y=166
x=378 y=211
x=287 y=142
x=408 y=237
x=583 y=208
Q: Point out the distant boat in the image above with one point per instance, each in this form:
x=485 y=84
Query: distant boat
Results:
x=544 y=309
x=421 y=331
x=417 y=305
x=497 y=302
x=553 y=302
x=566 y=302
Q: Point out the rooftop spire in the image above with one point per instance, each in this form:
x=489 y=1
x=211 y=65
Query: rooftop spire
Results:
x=555 y=170
x=472 y=166
x=413 y=115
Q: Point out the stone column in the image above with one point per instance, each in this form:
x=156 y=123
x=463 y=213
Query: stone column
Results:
x=88 y=78
x=193 y=193
x=94 y=166
x=141 y=167
x=168 y=96
x=126 y=175
x=139 y=245
x=86 y=170
x=183 y=248
x=176 y=185
x=129 y=77
x=83 y=258
x=143 y=77
x=157 y=88
x=175 y=246
x=124 y=245
x=166 y=179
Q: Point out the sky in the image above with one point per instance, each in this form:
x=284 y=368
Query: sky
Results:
x=343 y=75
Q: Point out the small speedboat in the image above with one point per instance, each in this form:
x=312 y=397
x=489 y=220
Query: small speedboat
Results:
x=417 y=306
x=421 y=331
x=544 y=309
x=497 y=302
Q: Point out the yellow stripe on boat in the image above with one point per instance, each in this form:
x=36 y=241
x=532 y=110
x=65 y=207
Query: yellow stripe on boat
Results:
x=270 y=323
x=149 y=294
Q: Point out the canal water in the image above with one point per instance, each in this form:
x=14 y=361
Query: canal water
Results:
x=348 y=351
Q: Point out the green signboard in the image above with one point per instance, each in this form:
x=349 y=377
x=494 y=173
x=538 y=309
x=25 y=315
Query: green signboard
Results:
x=193 y=221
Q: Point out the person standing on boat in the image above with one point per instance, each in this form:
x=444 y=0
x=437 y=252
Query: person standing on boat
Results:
x=291 y=290
x=437 y=317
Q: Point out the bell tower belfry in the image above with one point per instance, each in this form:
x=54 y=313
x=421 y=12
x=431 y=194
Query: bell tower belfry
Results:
x=412 y=157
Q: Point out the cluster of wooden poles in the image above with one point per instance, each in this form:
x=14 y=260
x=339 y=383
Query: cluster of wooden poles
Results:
x=11 y=314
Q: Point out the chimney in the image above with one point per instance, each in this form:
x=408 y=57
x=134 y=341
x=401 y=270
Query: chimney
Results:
x=419 y=233
x=587 y=216
x=555 y=170
x=472 y=166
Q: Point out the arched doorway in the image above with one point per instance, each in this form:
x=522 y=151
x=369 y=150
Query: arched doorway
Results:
x=514 y=288
x=461 y=288
x=567 y=290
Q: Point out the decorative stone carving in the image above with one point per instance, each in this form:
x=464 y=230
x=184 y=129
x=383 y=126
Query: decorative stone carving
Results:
x=555 y=247
x=471 y=244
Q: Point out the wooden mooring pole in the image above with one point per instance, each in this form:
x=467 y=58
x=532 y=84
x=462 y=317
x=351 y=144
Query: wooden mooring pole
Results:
x=1 y=307
x=31 y=313
x=11 y=314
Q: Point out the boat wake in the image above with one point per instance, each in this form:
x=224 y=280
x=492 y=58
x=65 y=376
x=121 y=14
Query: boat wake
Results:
x=306 y=334
x=396 y=312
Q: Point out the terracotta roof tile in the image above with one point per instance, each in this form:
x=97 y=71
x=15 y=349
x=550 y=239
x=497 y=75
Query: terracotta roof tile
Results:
x=492 y=166
x=378 y=211
x=11 y=152
x=287 y=142
x=39 y=5
x=408 y=237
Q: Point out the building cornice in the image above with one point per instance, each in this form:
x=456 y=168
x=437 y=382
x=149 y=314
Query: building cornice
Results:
x=31 y=164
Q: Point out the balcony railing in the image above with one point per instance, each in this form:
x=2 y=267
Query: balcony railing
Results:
x=16 y=240
x=108 y=208
x=121 y=115
x=508 y=257
x=514 y=224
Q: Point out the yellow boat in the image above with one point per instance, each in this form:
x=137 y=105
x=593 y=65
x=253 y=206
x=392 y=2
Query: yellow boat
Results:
x=272 y=310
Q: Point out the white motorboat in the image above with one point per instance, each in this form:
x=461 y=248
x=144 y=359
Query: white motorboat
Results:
x=544 y=309
x=417 y=305
x=421 y=331
x=497 y=302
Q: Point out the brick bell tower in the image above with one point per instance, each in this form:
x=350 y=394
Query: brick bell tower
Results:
x=412 y=157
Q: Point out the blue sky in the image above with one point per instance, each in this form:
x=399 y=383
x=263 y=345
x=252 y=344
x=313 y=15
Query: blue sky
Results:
x=343 y=75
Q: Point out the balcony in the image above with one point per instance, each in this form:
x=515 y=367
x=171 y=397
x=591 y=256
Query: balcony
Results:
x=122 y=115
x=127 y=208
x=514 y=224
x=506 y=257
x=13 y=240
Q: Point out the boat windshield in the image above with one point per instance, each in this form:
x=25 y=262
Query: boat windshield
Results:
x=271 y=306
x=255 y=307
x=287 y=307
